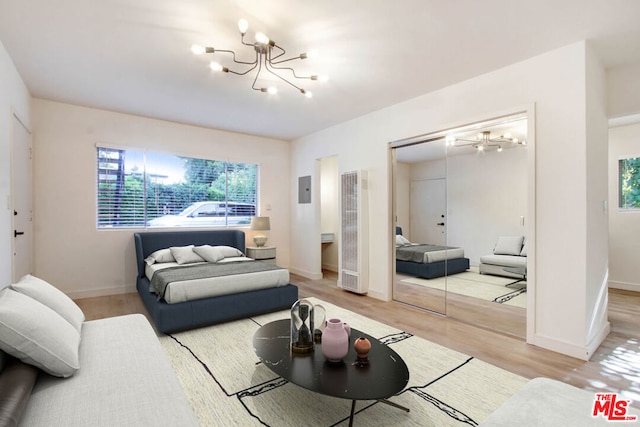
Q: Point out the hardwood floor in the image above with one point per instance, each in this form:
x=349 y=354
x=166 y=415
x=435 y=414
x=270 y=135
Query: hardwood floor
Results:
x=615 y=367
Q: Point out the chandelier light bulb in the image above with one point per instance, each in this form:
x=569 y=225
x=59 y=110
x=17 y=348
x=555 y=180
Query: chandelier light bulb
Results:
x=323 y=78
x=480 y=148
x=215 y=66
x=499 y=149
x=243 y=26
x=313 y=53
x=262 y=38
x=197 y=49
x=272 y=90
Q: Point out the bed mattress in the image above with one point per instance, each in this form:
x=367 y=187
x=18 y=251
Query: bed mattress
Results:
x=188 y=290
x=430 y=253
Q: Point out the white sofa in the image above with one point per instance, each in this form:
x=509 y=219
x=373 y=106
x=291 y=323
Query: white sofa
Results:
x=544 y=402
x=509 y=252
x=114 y=373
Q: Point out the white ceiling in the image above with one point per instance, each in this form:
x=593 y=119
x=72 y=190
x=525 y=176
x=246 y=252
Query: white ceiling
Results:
x=133 y=56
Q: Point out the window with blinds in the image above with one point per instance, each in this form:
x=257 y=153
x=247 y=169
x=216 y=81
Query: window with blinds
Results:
x=146 y=189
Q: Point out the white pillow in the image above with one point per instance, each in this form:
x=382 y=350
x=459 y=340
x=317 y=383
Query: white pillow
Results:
x=401 y=240
x=160 y=256
x=523 y=252
x=209 y=253
x=37 y=335
x=47 y=294
x=229 y=251
x=508 y=245
x=185 y=254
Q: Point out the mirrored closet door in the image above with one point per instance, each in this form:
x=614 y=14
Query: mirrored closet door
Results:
x=460 y=200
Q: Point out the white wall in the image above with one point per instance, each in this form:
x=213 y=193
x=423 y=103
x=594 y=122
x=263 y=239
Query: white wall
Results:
x=624 y=227
x=556 y=83
x=83 y=261
x=623 y=90
x=14 y=98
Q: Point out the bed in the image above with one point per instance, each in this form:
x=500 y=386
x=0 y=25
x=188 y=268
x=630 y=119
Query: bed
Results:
x=428 y=261
x=191 y=309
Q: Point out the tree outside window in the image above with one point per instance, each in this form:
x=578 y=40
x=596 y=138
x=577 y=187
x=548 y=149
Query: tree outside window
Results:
x=629 y=183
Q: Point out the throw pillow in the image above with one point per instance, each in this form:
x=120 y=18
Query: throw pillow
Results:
x=37 y=335
x=229 y=251
x=508 y=245
x=47 y=294
x=523 y=252
x=160 y=256
x=401 y=240
x=185 y=255
x=209 y=253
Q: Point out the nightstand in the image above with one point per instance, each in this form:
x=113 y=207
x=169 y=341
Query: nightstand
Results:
x=262 y=253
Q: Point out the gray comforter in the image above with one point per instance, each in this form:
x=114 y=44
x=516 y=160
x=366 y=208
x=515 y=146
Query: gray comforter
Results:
x=415 y=253
x=162 y=278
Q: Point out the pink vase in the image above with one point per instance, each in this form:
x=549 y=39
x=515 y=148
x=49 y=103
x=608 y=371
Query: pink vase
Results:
x=335 y=340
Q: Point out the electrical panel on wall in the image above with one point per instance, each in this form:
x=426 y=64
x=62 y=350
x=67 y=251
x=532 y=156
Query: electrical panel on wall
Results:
x=354 y=232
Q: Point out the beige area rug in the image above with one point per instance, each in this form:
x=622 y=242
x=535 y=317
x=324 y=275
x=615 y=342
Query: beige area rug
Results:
x=228 y=386
x=483 y=286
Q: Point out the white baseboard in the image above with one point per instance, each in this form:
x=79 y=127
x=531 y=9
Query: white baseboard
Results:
x=307 y=274
x=635 y=287
x=102 y=292
x=330 y=267
x=579 y=352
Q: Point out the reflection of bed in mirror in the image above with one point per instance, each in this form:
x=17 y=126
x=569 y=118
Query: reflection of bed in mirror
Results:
x=428 y=261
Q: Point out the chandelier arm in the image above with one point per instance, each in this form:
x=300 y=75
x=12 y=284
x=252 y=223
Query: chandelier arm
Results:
x=292 y=71
x=246 y=72
x=285 y=60
x=278 y=55
x=234 y=57
x=282 y=78
x=253 y=86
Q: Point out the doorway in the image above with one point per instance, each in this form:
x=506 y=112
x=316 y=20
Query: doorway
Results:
x=21 y=199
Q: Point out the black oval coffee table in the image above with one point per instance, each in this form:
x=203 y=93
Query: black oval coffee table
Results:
x=385 y=375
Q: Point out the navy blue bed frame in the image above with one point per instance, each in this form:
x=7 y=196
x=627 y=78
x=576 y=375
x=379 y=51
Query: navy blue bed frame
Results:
x=206 y=311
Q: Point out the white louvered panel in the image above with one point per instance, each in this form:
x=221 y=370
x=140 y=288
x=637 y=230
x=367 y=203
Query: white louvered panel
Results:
x=353 y=275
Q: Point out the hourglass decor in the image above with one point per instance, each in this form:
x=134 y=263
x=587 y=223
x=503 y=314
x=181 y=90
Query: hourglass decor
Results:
x=302 y=326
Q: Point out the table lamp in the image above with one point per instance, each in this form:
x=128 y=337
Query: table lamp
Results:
x=260 y=224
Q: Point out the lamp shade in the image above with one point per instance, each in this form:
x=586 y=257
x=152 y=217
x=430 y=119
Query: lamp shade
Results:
x=260 y=223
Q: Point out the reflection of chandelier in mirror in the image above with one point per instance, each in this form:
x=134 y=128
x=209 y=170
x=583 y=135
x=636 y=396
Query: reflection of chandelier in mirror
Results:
x=484 y=141
x=264 y=59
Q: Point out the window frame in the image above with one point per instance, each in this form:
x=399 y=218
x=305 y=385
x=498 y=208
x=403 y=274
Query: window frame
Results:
x=115 y=222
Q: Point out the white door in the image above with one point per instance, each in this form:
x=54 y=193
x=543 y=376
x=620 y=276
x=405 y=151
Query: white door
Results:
x=428 y=201
x=21 y=200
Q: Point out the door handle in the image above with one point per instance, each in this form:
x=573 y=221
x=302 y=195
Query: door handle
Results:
x=440 y=223
x=17 y=233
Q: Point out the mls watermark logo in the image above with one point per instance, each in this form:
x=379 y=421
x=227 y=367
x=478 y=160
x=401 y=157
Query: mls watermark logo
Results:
x=608 y=405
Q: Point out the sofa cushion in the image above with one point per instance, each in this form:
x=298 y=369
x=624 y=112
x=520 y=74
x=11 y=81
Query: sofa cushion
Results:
x=546 y=402
x=37 y=335
x=52 y=297
x=523 y=252
x=125 y=380
x=504 y=260
x=508 y=245
x=16 y=382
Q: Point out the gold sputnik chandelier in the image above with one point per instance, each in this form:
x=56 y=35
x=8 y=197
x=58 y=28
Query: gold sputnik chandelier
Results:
x=269 y=57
